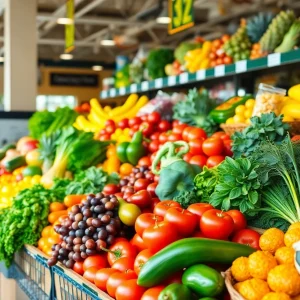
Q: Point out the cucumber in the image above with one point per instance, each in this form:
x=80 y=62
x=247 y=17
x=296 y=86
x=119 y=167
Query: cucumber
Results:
x=31 y=171
x=15 y=163
x=4 y=149
x=187 y=252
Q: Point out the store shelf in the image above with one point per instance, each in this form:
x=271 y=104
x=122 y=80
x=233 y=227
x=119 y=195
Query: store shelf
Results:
x=243 y=66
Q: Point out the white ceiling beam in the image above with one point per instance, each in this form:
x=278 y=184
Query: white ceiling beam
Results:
x=88 y=8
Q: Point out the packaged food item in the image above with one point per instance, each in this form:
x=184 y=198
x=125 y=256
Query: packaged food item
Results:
x=268 y=99
x=108 y=83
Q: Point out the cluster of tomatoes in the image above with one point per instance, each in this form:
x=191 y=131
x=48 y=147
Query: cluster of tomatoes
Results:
x=217 y=55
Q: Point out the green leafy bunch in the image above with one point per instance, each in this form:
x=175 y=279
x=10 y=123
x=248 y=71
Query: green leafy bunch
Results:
x=205 y=183
x=238 y=187
x=186 y=198
x=267 y=127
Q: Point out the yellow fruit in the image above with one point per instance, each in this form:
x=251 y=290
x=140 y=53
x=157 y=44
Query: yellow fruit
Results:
x=294 y=225
x=292 y=236
x=253 y=289
x=248 y=121
x=294 y=92
x=240 y=110
x=276 y=296
x=271 y=240
x=285 y=255
x=287 y=118
x=247 y=113
x=240 y=269
x=229 y=121
x=250 y=103
x=260 y=263
x=285 y=279
x=237 y=286
x=238 y=119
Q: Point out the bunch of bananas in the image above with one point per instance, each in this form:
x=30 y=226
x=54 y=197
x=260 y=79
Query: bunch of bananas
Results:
x=96 y=119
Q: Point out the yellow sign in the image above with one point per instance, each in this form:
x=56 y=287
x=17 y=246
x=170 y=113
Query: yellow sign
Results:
x=70 y=28
x=181 y=13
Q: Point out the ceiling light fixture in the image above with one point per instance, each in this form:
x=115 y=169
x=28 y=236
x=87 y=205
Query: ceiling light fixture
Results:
x=65 y=21
x=66 y=56
x=108 y=40
x=97 y=68
x=163 y=17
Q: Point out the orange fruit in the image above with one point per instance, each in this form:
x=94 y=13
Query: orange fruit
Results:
x=240 y=269
x=276 y=296
x=285 y=255
x=46 y=232
x=271 y=240
x=254 y=289
x=292 y=236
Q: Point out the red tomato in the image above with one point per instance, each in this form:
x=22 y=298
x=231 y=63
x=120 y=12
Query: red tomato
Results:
x=104 y=137
x=161 y=208
x=238 y=218
x=98 y=261
x=141 y=259
x=216 y=224
x=175 y=123
x=151 y=189
x=155 y=201
x=178 y=129
x=296 y=138
x=173 y=137
x=196 y=133
x=154 y=117
x=198 y=234
x=158 y=236
x=164 y=126
x=116 y=279
x=78 y=267
x=222 y=135
x=90 y=274
x=163 y=137
x=146 y=128
x=124 y=263
x=120 y=249
x=199 y=160
x=109 y=123
x=123 y=123
x=183 y=220
x=227 y=147
x=130 y=290
x=110 y=189
x=153 y=293
x=227 y=60
x=215 y=160
x=145 y=161
x=142 y=199
x=143 y=221
x=187 y=157
x=185 y=133
x=247 y=237
x=199 y=209
x=138 y=242
x=154 y=136
x=153 y=155
x=141 y=184
x=134 y=121
x=213 y=146
x=110 y=129
x=154 y=146
x=196 y=146
x=102 y=277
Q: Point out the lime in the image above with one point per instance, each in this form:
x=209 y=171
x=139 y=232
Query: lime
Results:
x=31 y=171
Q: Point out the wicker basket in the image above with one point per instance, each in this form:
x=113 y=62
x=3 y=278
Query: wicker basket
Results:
x=232 y=128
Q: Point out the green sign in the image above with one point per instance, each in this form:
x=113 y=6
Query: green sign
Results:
x=69 y=28
x=181 y=13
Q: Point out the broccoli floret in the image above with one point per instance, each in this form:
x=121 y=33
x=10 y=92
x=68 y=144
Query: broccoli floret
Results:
x=187 y=198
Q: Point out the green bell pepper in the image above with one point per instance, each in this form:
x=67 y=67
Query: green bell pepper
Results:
x=203 y=280
x=175 y=291
x=176 y=175
x=131 y=152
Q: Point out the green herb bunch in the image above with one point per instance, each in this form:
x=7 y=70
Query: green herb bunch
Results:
x=238 y=186
x=267 y=127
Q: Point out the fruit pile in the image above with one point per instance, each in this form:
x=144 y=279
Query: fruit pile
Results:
x=217 y=55
x=270 y=272
x=243 y=113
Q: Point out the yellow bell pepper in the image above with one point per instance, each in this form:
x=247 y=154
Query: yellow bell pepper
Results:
x=294 y=92
x=291 y=110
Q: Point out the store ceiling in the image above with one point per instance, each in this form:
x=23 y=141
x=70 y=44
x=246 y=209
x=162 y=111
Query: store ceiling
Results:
x=133 y=23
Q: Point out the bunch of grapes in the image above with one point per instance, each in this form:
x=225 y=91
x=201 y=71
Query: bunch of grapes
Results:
x=90 y=227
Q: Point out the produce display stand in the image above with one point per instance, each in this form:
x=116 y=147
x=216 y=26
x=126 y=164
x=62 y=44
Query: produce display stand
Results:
x=243 y=66
x=41 y=282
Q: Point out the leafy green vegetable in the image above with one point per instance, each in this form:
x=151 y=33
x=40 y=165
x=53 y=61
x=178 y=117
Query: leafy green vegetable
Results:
x=187 y=198
x=183 y=48
x=157 y=60
x=39 y=123
x=267 y=127
x=239 y=186
x=195 y=109
x=24 y=221
x=205 y=183
x=60 y=186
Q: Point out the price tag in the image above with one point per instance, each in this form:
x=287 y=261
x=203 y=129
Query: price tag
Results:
x=158 y=83
x=122 y=91
x=274 y=59
x=184 y=77
x=172 y=80
x=113 y=92
x=133 y=88
x=219 y=70
x=241 y=66
x=104 y=94
x=145 y=86
x=200 y=75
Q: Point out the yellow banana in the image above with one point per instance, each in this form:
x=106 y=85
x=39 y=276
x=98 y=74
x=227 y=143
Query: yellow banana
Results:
x=96 y=119
x=75 y=125
x=86 y=125
x=129 y=103
x=96 y=106
x=107 y=109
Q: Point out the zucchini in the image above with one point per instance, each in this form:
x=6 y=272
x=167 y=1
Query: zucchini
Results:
x=14 y=163
x=4 y=149
x=187 y=252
